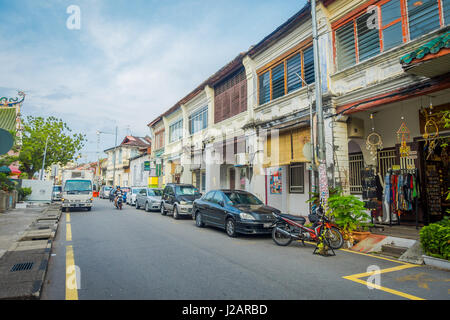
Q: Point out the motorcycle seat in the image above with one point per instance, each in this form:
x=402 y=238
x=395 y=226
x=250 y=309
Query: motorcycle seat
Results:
x=301 y=220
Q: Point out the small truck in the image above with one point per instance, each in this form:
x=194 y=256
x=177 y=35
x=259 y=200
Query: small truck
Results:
x=77 y=189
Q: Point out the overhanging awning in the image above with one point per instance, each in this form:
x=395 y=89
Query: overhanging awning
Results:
x=431 y=59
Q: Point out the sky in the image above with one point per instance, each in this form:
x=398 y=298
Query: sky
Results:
x=129 y=60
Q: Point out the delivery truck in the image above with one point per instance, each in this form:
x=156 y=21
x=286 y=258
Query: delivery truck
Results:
x=77 y=189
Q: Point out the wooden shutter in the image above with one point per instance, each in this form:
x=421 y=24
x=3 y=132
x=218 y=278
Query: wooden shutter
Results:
x=243 y=96
x=308 y=65
x=345 y=46
x=368 y=39
x=423 y=17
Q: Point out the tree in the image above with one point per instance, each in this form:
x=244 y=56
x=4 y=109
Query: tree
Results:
x=62 y=144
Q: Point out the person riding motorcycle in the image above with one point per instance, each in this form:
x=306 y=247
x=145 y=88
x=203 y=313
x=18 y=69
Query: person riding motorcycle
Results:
x=118 y=193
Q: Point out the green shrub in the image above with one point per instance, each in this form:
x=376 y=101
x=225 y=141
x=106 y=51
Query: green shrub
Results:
x=24 y=193
x=435 y=239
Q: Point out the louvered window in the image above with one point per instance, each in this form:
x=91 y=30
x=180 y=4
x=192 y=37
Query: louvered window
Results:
x=176 y=131
x=264 y=87
x=282 y=78
x=446 y=13
x=423 y=17
x=278 y=81
x=308 y=63
x=368 y=39
x=294 y=67
x=345 y=46
x=356 y=41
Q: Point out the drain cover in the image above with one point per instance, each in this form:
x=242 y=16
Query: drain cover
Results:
x=22 y=266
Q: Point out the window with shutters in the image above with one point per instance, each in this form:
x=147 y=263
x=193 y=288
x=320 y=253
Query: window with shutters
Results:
x=159 y=139
x=297 y=178
x=282 y=77
x=198 y=120
x=176 y=131
x=230 y=96
x=398 y=21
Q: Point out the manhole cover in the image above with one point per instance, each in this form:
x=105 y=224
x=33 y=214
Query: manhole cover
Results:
x=22 y=266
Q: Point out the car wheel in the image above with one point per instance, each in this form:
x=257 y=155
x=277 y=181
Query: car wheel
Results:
x=230 y=227
x=176 y=214
x=146 y=207
x=137 y=206
x=163 y=211
x=199 y=220
x=89 y=208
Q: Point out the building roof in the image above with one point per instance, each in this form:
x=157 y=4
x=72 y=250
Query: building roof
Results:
x=432 y=47
x=8 y=118
x=143 y=142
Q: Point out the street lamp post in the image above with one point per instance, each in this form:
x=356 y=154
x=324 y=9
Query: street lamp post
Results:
x=43 y=162
x=114 y=156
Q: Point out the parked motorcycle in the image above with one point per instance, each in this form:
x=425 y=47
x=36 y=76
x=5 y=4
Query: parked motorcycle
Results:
x=287 y=228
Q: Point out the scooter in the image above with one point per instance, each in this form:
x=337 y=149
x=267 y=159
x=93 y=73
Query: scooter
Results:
x=287 y=228
x=118 y=202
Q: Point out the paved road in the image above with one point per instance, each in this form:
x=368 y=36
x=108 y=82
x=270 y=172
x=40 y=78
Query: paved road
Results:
x=132 y=254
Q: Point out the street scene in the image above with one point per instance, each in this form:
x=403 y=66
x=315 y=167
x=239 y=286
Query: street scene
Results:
x=228 y=151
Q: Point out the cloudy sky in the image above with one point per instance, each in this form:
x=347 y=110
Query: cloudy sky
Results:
x=130 y=60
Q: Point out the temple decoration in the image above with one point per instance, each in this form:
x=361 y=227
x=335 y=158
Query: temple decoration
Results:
x=11 y=102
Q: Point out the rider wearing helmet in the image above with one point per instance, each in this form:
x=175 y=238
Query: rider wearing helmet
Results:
x=118 y=193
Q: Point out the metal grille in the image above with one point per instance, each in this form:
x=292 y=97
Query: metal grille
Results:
x=356 y=163
x=386 y=159
x=22 y=266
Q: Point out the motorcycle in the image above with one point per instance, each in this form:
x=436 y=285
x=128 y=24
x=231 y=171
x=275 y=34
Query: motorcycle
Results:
x=118 y=202
x=287 y=228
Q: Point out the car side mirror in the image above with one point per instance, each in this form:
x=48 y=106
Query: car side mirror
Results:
x=221 y=203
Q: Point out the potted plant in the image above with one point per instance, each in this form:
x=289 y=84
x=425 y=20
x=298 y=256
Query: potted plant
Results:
x=350 y=215
x=435 y=242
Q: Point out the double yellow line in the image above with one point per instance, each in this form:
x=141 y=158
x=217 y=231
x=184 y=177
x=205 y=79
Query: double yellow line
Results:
x=71 y=274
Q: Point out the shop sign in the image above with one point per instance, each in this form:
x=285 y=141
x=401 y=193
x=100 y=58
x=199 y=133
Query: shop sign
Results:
x=146 y=165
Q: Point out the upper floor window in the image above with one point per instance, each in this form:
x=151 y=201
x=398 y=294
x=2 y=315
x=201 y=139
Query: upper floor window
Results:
x=282 y=78
x=198 y=120
x=230 y=96
x=391 y=23
x=176 y=131
x=159 y=139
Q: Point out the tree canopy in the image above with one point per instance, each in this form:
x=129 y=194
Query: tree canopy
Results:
x=63 y=145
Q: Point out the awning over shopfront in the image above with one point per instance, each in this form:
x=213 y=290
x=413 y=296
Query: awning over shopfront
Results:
x=430 y=60
x=286 y=147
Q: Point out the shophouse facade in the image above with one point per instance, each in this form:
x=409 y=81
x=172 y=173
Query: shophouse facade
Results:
x=389 y=80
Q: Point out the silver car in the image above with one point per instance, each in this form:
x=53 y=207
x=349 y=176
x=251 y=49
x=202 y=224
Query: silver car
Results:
x=149 y=199
x=131 y=196
x=57 y=193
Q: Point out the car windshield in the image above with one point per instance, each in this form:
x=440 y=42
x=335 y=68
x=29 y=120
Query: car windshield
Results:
x=107 y=188
x=76 y=186
x=242 y=198
x=57 y=188
x=186 y=190
x=155 y=192
x=135 y=191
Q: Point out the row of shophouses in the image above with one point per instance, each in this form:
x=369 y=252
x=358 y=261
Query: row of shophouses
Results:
x=384 y=74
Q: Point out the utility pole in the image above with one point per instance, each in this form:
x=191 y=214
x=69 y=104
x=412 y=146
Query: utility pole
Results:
x=323 y=180
x=43 y=162
x=114 y=162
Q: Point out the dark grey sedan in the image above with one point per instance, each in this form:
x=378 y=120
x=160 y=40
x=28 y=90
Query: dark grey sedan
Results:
x=235 y=211
x=149 y=199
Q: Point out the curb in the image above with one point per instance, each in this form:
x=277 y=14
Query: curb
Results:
x=24 y=266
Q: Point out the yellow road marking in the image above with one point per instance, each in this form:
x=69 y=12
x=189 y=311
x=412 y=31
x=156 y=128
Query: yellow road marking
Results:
x=68 y=232
x=395 y=292
x=71 y=276
x=367 y=274
x=67 y=217
x=378 y=257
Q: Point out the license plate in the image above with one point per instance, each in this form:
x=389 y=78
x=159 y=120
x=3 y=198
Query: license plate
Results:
x=267 y=225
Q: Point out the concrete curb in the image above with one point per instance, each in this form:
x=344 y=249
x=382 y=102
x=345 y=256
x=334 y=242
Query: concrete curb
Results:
x=24 y=266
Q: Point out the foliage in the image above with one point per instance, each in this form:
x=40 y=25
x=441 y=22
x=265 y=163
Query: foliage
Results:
x=62 y=144
x=24 y=193
x=315 y=196
x=349 y=212
x=445 y=120
x=435 y=239
x=5 y=183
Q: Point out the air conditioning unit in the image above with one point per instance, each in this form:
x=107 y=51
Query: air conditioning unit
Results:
x=241 y=159
x=355 y=128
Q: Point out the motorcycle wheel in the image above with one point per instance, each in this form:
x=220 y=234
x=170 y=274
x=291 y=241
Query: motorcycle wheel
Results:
x=279 y=238
x=334 y=237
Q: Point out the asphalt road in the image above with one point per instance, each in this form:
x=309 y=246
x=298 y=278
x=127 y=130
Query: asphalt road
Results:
x=132 y=254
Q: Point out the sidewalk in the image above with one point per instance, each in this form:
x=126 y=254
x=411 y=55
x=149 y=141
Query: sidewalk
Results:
x=26 y=236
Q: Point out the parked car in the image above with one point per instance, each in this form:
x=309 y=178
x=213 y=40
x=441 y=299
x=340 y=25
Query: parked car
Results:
x=104 y=192
x=236 y=211
x=178 y=199
x=149 y=199
x=131 y=196
x=57 y=193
